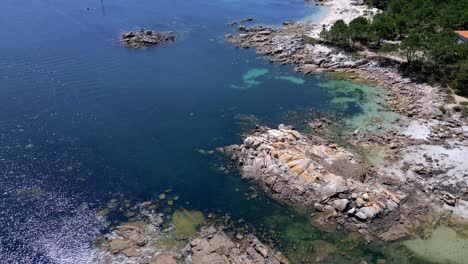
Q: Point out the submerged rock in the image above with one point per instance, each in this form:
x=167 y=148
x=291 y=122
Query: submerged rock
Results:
x=186 y=223
x=443 y=246
x=145 y=38
x=245 y=20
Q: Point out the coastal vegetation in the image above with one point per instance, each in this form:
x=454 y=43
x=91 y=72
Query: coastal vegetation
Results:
x=420 y=31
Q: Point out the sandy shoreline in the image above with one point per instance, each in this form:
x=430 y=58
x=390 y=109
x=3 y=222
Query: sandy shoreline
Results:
x=340 y=9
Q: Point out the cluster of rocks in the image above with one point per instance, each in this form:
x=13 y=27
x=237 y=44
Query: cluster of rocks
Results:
x=417 y=100
x=149 y=241
x=291 y=44
x=449 y=128
x=146 y=38
x=135 y=240
x=312 y=173
x=214 y=246
x=128 y=240
x=393 y=140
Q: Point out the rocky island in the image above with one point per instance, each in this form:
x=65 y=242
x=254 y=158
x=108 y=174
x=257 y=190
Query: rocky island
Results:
x=145 y=38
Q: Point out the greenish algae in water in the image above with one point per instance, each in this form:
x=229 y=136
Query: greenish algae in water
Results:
x=186 y=223
x=364 y=105
x=301 y=242
x=292 y=79
x=250 y=78
x=443 y=246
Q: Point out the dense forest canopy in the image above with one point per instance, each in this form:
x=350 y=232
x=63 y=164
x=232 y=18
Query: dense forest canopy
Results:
x=422 y=31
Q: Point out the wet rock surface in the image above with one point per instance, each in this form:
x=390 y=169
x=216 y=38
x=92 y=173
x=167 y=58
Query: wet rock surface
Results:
x=146 y=38
x=136 y=240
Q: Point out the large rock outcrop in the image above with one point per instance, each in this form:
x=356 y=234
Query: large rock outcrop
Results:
x=309 y=172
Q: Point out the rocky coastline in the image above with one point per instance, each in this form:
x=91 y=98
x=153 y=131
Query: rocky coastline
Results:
x=317 y=175
x=288 y=45
x=423 y=173
x=422 y=177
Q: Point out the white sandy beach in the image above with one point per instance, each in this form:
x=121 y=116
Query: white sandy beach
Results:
x=341 y=9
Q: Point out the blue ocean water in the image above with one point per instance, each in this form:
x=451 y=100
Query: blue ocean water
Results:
x=82 y=117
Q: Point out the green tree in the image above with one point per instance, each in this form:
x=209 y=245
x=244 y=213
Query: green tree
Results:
x=411 y=45
x=359 y=30
x=460 y=82
x=442 y=49
x=384 y=27
x=338 y=34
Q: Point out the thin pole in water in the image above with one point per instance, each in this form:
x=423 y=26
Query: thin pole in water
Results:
x=102 y=8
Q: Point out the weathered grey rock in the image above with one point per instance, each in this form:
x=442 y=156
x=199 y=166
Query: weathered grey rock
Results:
x=307 y=68
x=309 y=172
x=131 y=233
x=391 y=205
x=217 y=247
x=365 y=197
x=370 y=212
x=318 y=207
x=449 y=199
x=340 y=204
x=360 y=215
x=145 y=38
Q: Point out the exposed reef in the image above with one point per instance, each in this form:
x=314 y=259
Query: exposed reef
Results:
x=188 y=238
x=145 y=38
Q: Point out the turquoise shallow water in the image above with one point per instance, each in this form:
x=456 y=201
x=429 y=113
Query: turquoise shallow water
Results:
x=83 y=118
